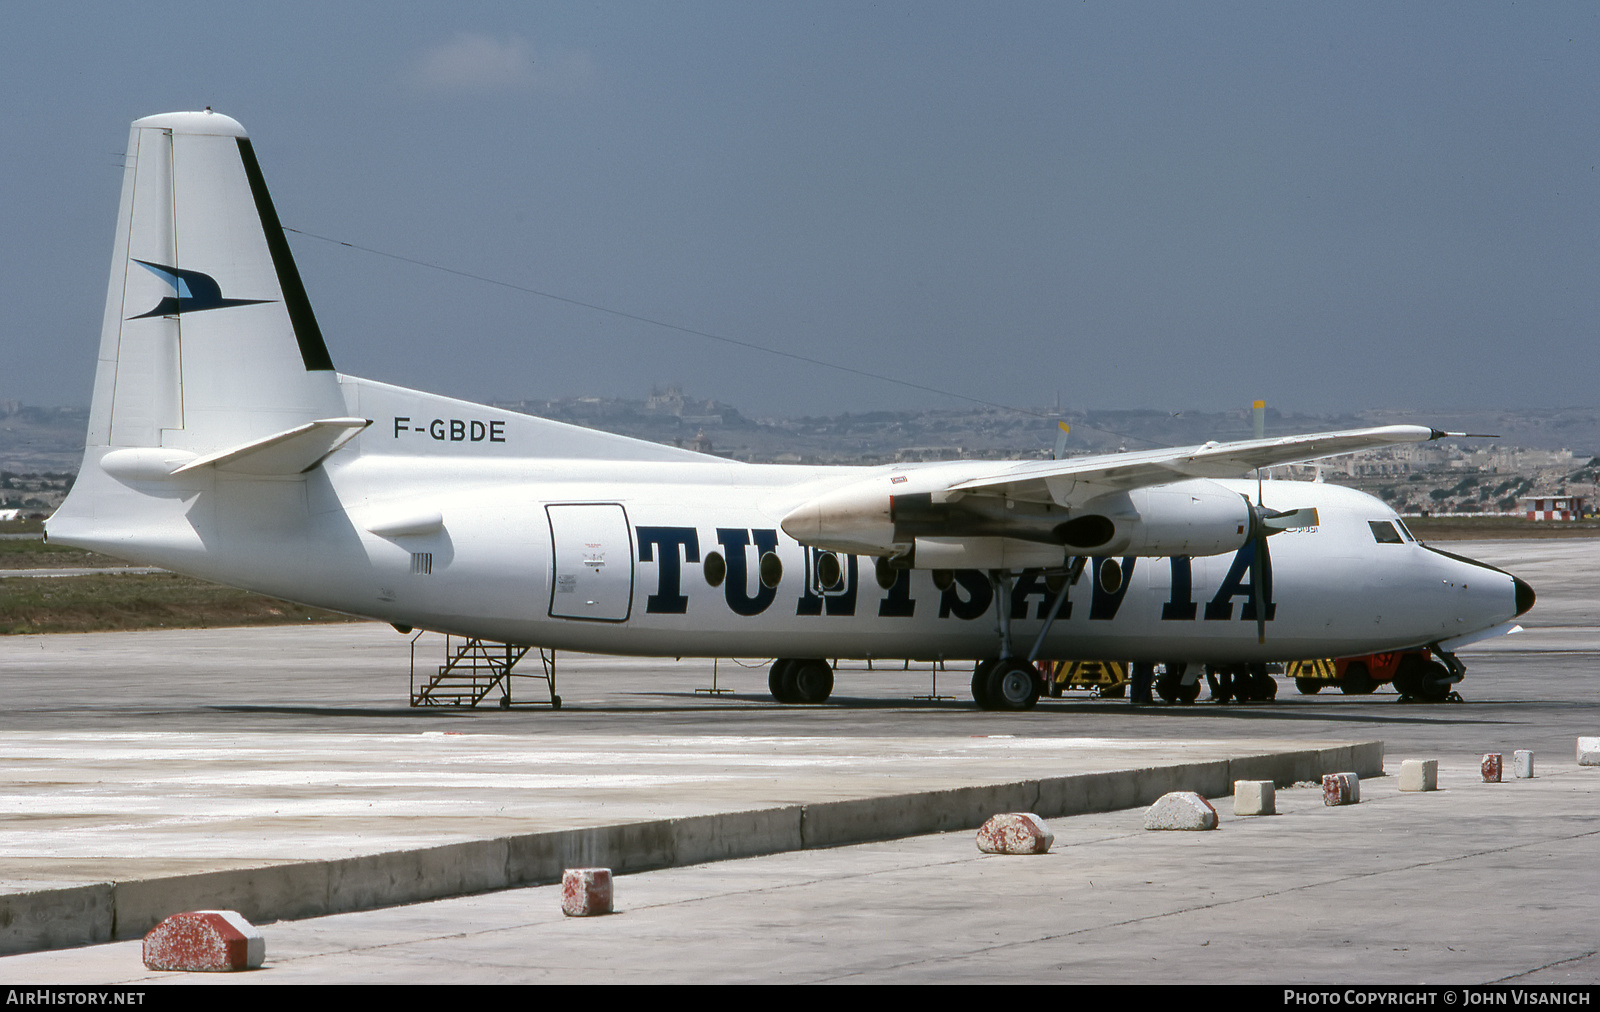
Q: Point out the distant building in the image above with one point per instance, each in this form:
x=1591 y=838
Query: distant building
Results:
x=920 y=453
x=1552 y=507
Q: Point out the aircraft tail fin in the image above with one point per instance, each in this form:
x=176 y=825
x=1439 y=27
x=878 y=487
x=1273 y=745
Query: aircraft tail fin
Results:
x=209 y=341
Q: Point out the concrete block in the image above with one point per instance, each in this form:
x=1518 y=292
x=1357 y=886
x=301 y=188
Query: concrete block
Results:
x=1015 y=833
x=1341 y=789
x=1589 y=751
x=1180 y=810
x=586 y=892
x=1254 y=797
x=1522 y=764
x=206 y=941
x=1491 y=767
x=1419 y=775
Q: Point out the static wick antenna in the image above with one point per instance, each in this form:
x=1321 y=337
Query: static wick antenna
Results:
x=1440 y=434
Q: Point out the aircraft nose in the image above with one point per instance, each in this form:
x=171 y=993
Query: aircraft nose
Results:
x=1525 y=596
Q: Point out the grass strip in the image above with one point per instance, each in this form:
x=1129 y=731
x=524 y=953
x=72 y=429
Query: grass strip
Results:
x=117 y=601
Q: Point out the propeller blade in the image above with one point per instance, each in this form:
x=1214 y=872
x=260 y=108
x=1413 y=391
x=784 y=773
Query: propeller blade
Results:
x=1264 y=523
x=1275 y=523
x=1257 y=591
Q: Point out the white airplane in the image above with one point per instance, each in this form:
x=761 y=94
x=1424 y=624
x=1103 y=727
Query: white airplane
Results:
x=223 y=444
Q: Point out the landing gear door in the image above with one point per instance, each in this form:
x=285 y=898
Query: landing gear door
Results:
x=593 y=556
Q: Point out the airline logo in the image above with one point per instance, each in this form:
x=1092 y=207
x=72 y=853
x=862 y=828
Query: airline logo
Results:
x=192 y=292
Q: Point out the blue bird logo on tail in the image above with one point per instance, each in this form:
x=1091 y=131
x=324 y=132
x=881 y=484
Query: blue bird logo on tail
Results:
x=193 y=291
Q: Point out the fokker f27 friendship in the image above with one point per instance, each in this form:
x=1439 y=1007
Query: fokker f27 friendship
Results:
x=223 y=444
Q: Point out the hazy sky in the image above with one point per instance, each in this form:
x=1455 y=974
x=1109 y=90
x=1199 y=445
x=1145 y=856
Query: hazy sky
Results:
x=1167 y=205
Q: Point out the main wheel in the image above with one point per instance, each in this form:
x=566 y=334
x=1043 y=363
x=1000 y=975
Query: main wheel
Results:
x=980 y=684
x=779 y=681
x=1308 y=686
x=1013 y=685
x=812 y=681
x=1170 y=685
x=1264 y=687
x=1225 y=688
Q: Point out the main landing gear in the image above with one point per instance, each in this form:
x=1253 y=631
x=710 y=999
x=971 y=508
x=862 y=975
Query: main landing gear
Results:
x=1241 y=683
x=1010 y=682
x=1177 y=684
x=800 y=680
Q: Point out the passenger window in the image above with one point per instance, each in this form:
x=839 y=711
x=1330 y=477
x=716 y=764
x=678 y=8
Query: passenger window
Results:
x=1384 y=533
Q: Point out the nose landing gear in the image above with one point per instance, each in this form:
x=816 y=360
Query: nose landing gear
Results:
x=1429 y=681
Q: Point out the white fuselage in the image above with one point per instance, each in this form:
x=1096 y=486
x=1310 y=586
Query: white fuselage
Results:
x=611 y=556
x=223 y=444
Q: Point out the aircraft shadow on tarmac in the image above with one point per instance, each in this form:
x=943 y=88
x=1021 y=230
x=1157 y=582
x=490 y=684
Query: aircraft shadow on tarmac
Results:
x=1327 y=712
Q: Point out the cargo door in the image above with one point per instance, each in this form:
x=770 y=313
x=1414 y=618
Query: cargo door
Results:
x=593 y=556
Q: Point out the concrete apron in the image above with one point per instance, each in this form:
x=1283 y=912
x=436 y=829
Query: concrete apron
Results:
x=106 y=911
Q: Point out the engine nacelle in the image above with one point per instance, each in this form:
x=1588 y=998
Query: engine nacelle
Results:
x=1192 y=517
x=1195 y=518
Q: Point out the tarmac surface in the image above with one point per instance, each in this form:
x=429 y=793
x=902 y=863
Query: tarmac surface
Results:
x=142 y=755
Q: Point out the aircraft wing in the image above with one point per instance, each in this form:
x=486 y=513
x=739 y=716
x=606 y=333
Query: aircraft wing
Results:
x=1107 y=503
x=1068 y=482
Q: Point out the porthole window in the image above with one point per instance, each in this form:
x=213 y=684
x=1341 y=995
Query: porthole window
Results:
x=771 y=570
x=829 y=572
x=1110 y=575
x=715 y=568
x=887 y=575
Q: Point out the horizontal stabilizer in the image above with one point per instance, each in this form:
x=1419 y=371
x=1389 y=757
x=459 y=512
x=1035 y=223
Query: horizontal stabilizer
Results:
x=293 y=451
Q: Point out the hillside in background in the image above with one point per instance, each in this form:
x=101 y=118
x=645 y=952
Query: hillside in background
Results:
x=1536 y=450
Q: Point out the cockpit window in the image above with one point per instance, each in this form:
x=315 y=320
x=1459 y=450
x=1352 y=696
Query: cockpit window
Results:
x=1405 y=530
x=1384 y=533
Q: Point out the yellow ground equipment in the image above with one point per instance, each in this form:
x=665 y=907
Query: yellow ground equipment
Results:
x=1105 y=678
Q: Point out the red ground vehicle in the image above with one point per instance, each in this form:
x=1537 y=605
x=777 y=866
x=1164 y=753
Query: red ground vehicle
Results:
x=1415 y=673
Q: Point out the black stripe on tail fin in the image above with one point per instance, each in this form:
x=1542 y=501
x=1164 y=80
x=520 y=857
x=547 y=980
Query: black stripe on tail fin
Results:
x=313 y=350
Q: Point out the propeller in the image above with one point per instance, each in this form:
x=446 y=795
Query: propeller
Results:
x=1264 y=523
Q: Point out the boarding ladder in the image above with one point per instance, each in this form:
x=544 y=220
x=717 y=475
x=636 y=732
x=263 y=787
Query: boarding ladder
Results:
x=474 y=668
